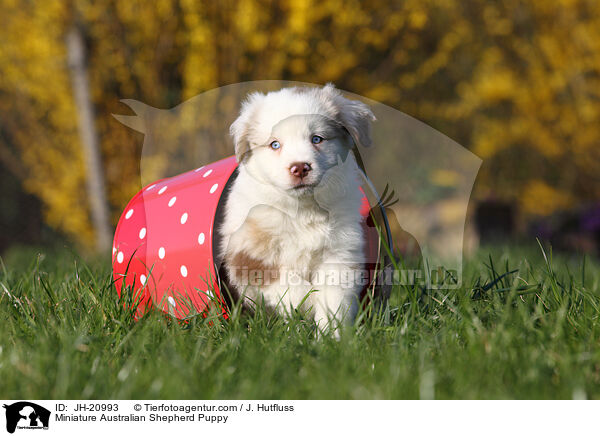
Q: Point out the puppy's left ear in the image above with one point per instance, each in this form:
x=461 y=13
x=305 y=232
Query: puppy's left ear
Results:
x=355 y=116
x=240 y=128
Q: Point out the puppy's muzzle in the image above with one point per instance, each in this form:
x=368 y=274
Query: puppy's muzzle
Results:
x=300 y=169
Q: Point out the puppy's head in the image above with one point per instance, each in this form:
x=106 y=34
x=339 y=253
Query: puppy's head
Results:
x=292 y=137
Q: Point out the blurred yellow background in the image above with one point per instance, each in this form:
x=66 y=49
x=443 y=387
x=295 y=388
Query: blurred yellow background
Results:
x=516 y=82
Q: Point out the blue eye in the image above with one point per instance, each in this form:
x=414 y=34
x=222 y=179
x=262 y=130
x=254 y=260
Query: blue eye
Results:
x=316 y=139
x=275 y=145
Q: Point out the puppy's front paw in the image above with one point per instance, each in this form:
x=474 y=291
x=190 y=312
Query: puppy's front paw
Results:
x=334 y=309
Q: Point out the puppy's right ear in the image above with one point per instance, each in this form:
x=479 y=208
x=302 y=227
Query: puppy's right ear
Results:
x=240 y=128
x=354 y=115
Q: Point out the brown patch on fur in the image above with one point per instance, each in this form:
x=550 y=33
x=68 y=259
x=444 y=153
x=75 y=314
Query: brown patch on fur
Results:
x=262 y=241
x=250 y=271
x=243 y=150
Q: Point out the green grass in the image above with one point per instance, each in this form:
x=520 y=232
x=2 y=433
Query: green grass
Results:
x=530 y=334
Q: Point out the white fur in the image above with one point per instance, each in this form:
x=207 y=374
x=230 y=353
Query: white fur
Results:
x=312 y=237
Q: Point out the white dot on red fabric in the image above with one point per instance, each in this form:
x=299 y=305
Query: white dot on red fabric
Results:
x=171 y=301
x=143 y=279
x=142 y=234
x=161 y=252
x=214 y=188
x=201 y=238
x=206 y=174
x=128 y=214
x=161 y=190
x=183 y=270
x=150 y=187
x=184 y=218
x=198 y=169
x=114 y=251
x=120 y=257
x=172 y=201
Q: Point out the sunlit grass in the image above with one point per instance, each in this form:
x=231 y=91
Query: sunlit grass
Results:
x=523 y=325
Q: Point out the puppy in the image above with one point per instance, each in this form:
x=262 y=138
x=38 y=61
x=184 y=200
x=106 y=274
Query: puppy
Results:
x=291 y=236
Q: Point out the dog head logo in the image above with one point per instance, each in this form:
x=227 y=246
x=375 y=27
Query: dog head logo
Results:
x=431 y=175
x=26 y=415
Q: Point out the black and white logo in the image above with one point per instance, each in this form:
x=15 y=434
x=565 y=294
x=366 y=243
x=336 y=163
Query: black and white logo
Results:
x=26 y=415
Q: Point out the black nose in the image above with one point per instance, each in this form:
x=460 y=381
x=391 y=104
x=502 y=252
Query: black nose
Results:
x=300 y=169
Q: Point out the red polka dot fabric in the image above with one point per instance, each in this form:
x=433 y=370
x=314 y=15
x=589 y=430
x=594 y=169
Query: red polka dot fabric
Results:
x=163 y=247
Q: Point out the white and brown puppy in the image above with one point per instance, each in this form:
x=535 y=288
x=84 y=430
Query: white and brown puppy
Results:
x=292 y=223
